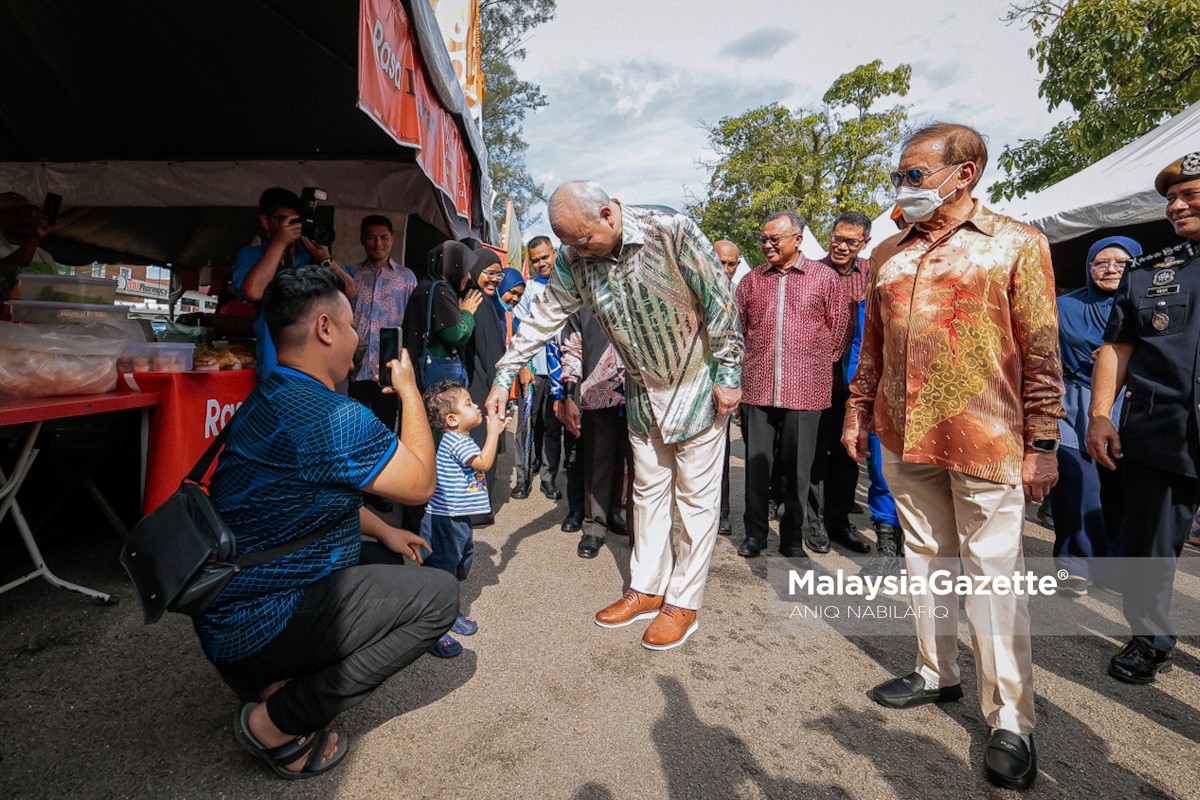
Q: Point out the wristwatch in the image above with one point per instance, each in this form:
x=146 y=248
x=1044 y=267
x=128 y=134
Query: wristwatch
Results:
x=327 y=263
x=1044 y=445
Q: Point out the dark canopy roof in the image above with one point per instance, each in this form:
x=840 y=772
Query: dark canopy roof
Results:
x=214 y=81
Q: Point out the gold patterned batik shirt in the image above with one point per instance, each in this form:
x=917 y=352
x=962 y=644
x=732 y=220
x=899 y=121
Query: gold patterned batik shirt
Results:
x=667 y=306
x=960 y=365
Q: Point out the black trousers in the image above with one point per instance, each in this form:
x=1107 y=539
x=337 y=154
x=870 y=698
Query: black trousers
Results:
x=797 y=432
x=350 y=632
x=1158 y=510
x=606 y=461
x=546 y=437
x=834 y=473
x=725 y=476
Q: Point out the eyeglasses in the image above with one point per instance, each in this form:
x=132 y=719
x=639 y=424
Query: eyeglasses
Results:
x=775 y=240
x=1117 y=264
x=851 y=243
x=915 y=176
x=492 y=273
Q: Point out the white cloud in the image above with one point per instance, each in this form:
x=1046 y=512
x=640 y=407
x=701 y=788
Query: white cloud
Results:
x=628 y=82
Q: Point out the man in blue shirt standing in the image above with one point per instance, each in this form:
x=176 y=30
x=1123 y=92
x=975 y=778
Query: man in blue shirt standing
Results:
x=312 y=633
x=257 y=265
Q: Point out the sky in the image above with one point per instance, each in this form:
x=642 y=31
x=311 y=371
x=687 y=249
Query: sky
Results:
x=630 y=84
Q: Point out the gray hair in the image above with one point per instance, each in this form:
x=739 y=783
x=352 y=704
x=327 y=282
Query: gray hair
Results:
x=796 y=219
x=582 y=199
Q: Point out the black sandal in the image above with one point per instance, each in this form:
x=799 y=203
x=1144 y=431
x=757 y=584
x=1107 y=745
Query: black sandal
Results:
x=279 y=757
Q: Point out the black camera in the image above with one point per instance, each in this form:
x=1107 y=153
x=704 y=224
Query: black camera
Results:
x=319 y=232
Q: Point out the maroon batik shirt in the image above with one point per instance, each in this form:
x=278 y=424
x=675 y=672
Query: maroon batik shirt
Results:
x=796 y=323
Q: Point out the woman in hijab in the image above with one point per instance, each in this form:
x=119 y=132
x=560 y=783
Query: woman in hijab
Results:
x=508 y=294
x=1086 y=502
x=480 y=354
x=452 y=320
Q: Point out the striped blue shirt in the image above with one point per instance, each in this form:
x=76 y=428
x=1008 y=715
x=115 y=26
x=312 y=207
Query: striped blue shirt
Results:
x=461 y=489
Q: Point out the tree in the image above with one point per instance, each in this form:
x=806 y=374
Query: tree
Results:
x=1124 y=66
x=820 y=163
x=504 y=26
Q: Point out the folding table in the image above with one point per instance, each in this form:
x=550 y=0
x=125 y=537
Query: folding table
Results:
x=32 y=413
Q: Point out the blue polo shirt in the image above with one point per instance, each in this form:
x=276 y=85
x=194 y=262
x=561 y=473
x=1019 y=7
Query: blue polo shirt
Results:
x=247 y=257
x=297 y=457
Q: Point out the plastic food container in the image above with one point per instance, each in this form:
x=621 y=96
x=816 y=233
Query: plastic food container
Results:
x=66 y=288
x=44 y=360
x=50 y=312
x=156 y=357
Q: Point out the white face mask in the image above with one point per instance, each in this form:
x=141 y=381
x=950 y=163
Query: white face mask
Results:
x=917 y=204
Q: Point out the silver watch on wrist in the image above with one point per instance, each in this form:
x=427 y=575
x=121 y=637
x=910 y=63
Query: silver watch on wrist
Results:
x=1044 y=445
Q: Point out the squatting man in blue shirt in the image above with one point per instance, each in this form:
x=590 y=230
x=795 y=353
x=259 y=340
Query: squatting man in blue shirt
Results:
x=311 y=634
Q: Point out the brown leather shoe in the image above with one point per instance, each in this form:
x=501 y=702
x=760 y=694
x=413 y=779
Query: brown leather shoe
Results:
x=629 y=609
x=670 y=628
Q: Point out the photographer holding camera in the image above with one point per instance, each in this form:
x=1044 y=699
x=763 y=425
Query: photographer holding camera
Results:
x=287 y=247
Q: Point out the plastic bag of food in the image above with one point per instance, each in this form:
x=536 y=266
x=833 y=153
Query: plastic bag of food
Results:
x=45 y=360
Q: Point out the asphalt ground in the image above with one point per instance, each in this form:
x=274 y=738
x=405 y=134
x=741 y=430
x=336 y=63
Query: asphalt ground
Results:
x=545 y=704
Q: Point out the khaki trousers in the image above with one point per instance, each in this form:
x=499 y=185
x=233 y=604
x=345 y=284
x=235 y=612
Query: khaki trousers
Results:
x=947 y=516
x=686 y=475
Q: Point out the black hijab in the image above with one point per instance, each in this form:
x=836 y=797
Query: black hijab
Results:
x=486 y=346
x=449 y=262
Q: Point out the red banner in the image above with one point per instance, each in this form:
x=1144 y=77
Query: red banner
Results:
x=394 y=90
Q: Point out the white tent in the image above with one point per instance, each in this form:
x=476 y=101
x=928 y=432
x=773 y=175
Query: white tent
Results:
x=810 y=247
x=1117 y=190
x=882 y=227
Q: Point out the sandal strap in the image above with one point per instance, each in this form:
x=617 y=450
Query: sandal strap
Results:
x=317 y=754
x=288 y=752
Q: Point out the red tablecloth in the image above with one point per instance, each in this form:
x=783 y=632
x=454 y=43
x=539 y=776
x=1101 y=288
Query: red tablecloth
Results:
x=194 y=407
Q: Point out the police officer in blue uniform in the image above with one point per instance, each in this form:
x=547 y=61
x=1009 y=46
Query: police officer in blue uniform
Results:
x=1151 y=350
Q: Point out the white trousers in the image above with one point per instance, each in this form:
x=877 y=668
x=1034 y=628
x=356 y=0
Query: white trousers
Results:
x=686 y=475
x=947 y=516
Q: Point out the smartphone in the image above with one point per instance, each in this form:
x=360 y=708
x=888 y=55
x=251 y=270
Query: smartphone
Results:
x=51 y=205
x=389 y=349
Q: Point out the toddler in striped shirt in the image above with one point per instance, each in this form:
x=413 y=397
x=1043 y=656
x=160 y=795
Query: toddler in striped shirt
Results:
x=461 y=490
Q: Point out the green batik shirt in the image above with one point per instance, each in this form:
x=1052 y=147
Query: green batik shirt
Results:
x=668 y=307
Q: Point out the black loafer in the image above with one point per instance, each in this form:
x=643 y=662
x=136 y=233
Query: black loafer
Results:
x=1138 y=662
x=1009 y=762
x=817 y=541
x=797 y=555
x=618 y=527
x=750 y=548
x=849 y=537
x=588 y=546
x=550 y=490
x=910 y=691
x=725 y=528
x=572 y=524
x=520 y=492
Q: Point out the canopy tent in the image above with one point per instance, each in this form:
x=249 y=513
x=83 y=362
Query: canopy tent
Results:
x=882 y=227
x=1115 y=196
x=1117 y=190
x=160 y=123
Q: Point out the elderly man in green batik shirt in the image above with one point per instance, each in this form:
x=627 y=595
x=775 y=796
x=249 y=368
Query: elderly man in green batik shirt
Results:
x=656 y=286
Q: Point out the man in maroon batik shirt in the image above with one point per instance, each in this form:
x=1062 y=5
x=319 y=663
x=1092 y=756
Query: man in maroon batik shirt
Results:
x=796 y=324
